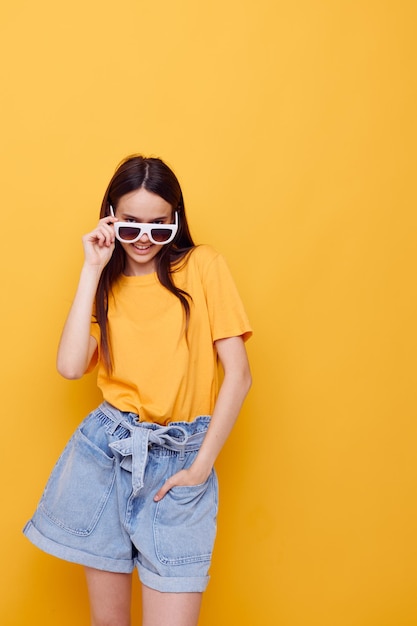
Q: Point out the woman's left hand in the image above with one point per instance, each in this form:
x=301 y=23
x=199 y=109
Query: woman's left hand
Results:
x=184 y=478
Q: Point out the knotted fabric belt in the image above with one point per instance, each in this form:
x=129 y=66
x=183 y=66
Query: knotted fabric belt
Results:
x=143 y=435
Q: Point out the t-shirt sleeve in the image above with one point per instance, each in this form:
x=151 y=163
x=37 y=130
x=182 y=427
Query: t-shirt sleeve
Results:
x=226 y=311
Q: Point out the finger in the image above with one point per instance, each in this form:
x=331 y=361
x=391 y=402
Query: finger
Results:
x=106 y=224
x=96 y=239
x=103 y=235
x=168 y=484
x=109 y=219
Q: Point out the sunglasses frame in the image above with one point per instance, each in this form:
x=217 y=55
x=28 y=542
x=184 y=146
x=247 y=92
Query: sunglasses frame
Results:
x=145 y=229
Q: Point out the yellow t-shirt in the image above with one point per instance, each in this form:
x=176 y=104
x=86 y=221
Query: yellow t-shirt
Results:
x=160 y=372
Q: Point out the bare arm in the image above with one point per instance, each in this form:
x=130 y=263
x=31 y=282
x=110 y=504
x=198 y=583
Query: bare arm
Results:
x=77 y=346
x=236 y=384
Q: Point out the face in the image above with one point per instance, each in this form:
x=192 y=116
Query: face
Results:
x=148 y=208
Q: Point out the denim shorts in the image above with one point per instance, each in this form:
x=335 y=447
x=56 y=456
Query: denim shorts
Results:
x=98 y=509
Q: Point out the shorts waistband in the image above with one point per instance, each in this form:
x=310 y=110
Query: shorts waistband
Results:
x=143 y=435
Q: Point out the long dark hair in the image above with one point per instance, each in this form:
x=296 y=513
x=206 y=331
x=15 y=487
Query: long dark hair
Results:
x=133 y=173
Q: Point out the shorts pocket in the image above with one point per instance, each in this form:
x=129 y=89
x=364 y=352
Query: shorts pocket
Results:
x=185 y=523
x=79 y=486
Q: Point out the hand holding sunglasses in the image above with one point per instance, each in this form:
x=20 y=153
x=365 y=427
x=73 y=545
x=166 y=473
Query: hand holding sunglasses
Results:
x=159 y=234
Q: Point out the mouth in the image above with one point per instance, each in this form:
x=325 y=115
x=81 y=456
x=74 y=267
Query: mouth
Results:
x=142 y=248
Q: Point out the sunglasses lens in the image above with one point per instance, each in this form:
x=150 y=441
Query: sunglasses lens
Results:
x=161 y=234
x=128 y=233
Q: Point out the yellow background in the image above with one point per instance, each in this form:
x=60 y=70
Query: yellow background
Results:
x=291 y=125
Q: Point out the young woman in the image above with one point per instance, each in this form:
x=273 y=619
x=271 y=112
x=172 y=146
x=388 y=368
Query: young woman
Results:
x=135 y=486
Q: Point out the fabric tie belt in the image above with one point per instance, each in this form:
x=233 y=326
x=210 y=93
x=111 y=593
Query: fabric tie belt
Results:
x=134 y=449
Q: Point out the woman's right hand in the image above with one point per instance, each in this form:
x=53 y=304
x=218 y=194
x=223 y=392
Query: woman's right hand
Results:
x=99 y=244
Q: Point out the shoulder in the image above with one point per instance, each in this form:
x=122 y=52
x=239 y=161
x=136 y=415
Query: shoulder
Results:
x=203 y=256
x=208 y=265
x=202 y=264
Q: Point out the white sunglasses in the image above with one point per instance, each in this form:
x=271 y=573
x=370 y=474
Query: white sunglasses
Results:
x=129 y=232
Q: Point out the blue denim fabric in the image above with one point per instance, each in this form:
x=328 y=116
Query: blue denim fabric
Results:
x=98 y=509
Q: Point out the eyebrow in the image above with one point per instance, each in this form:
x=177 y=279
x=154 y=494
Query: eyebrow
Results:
x=127 y=216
